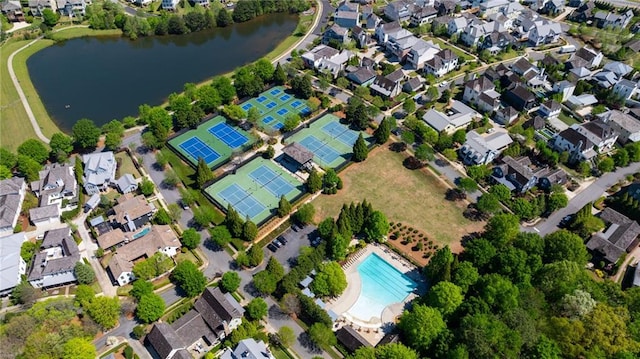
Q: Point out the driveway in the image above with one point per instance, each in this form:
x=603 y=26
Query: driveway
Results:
x=288 y=253
x=123 y=330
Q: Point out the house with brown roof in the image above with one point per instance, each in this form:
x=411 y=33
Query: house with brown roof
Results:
x=506 y=115
x=520 y=97
x=620 y=236
x=473 y=89
x=132 y=212
x=351 y=339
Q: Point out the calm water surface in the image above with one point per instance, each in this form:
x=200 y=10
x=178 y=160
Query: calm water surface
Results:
x=103 y=78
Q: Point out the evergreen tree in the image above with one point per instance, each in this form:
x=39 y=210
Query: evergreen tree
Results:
x=224 y=18
x=203 y=173
x=360 y=150
x=314 y=182
x=344 y=227
x=233 y=222
x=382 y=133
x=249 y=230
x=284 y=207
x=279 y=76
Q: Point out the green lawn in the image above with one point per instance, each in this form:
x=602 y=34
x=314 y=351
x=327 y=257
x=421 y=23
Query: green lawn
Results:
x=126 y=165
x=566 y=118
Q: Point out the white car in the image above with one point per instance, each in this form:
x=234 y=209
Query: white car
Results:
x=443 y=83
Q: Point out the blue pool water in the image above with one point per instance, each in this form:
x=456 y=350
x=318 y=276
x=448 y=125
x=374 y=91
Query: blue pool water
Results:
x=382 y=285
x=141 y=233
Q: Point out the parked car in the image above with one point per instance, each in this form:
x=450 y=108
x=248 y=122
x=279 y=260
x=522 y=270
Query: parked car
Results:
x=282 y=240
x=564 y=222
x=276 y=243
x=272 y=247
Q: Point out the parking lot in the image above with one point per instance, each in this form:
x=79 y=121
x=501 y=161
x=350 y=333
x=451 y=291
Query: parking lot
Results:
x=289 y=252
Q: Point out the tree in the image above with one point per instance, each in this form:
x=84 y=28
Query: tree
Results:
x=104 y=311
x=331 y=281
x=188 y=196
x=488 y=337
x=279 y=76
x=220 y=236
x=27 y=251
x=257 y=309
x=203 y=173
x=498 y=292
x=189 y=278
x=61 y=145
x=175 y=212
x=301 y=86
x=439 y=267
x=85 y=134
x=356 y=113
x=304 y=214
x=233 y=222
x=502 y=228
x=150 y=308
x=465 y=275
x=224 y=18
x=606 y=164
x=577 y=305
x=424 y=153
x=286 y=335
x=382 y=133
x=34 y=149
x=249 y=230
x=24 y=294
x=445 y=296
x=141 y=288
x=395 y=351
x=264 y=69
x=331 y=182
x=467 y=185
x=50 y=18
x=275 y=268
x=556 y=201
x=290 y=304
x=84 y=273
x=234 y=112
x=564 y=245
x=376 y=226
x=114 y=132
x=191 y=238
x=230 y=282
x=78 y=348
x=360 y=149
x=284 y=207
x=322 y=335
x=147 y=187
x=291 y=122
x=5 y=172
x=162 y=217
x=7 y=158
x=256 y=255
x=29 y=168
x=265 y=282
x=409 y=105
x=488 y=203
x=621 y=158
x=225 y=88
x=208 y=99
x=421 y=326
x=479 y=172
x=314 y=182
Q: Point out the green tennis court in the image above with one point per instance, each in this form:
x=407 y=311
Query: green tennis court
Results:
x=330 y=141
x=255 y=189
x=214 y=140
x=275 y=105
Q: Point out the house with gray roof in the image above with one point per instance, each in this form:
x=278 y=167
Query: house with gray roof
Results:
x=12 y=266
x=127 y=183
x=165 y=341
x=613 y=20
x=576 y=144
x=37 y=6
x=520 y=175
x=54 y=264
x=99 y=171
x=335 y=33
x=422 y=51
x=626 y=89
x=544 y=32
x=57 y=182
x=605 y=79
x=620 y=236
x=452 y=119
x=423 y=15
x=479 y=149
x=71 y=8
x=248 y=349
x=627 y=127
x=346 y=19
x=442 y=63
x=12 y=192
x=506 y=115
x=399 y=10
x=45 y=216
x=299 y=155
x=12 y=9
x=363 y=76
x=619 y=68
x=351 y=339
x=324 y=58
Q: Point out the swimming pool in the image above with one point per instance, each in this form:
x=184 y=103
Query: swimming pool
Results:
x=381 y=286
x=141 y=233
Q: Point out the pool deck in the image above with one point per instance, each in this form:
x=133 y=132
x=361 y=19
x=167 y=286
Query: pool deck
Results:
x=371 y=329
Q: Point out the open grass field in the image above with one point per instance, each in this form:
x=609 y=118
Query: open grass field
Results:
x=415 y=198
x=126 y=165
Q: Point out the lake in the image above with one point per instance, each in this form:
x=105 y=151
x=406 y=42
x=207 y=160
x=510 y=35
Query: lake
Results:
x=105 y=78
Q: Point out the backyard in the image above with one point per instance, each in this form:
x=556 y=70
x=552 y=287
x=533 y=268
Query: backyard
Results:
x=415 y=198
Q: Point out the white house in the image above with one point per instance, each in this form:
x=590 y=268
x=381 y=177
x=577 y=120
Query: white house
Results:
x=386 y=87
x=473 y=89
x=45 y=216
x=577 y=145
x=325 y=58
x=99 y=171
x=421 y=52
x=423 y=15
x=456 y=117
x=442 y=63
x=12 y=191
x=545 y=32
x=479 y=149
x=54 y=264
x=399 y=10
x=626 y=89
x=170 y=4
x=565 y=88
x=627 y=127
x=549 y=109
x=71 y=8
x=248 y=349
x=598 y=132
x=456 y=25
x=57 y=182
x=127 y=183
x=37 y=6
x=12 y=266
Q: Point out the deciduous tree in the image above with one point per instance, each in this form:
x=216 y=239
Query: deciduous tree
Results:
x=190 y=238
x=85 y=134
x=61 y=145
x=104 y=311
x=34 y=149
x=189 y=278
x=150 y=308
x=84 y=273
x=230 y=281
x=257 y=309
x=421 y=326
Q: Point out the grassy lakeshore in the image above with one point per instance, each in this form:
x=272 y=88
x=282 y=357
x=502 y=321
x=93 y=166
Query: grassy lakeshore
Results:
x=15 y=127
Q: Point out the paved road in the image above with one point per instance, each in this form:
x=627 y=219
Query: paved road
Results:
x=624 y=3
x=589 y=194
x=123 y=330
x=325 y=8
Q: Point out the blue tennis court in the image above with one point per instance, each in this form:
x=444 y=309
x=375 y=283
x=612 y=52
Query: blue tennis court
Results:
x=305 y=111
x=278 y=125
x=324 y=152
x=282 y=111
x=196 y=149
x=285 y=97
x=272 y=181
x=229 y=135
x=242 y=201
x=271 y=105
x=275 y=91
x=247 y=106
x=341 y=133
x=267 y=119
x=261 y=99
x=296 y=104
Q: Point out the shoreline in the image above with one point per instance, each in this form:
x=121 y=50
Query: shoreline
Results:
x=14 y=113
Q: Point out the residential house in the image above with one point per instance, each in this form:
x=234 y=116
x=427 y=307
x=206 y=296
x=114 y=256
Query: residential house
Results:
x=166 y=342
x=351 y=339
x=544 y=32
x=446 y=7
x=363 y=39
x=537 y=123
x=613 y=20
x=248 y=349
x=473 y=89
x=456 y=117
x=442 y=63
x=549 y=109
x=401 y=46
x=363 y=76
x=12 y=266
x=45 y=215
x=496 y=42
x=605 y=79
x=506 y=116
x=12 y=192
x=627 y=127
x=54 y=264
x=479 y=149
x=633 y=45
x=619 y=68
x=71 y=8
x=170 y=4
x=580 y=102
x=583 y=13
x=590 y=58
x=520 y=97
x=626 y=89
x=145 y=2
x=423 y=15
x=456 y=25
x=620 y=236
x=383 y=30
x=99 y=171
x=385 y=87
x=565 y=88
x=399 y=10
x=325 y=58
x=57 y=182
x=132 y=212
x=577 y=145
x=335 y=33
x=12 y=9
x=488 y=101
x=371 y=21
x=423 y=51
x=346 y=19
x=476 y=31
x=520 y=175
x=553 y=7
x=600 y=133
x=37 y=6
x=412 y=85
x=491 y=7
x=348 y=6
x=158 y=238
x=127 y=183
x=579 y=73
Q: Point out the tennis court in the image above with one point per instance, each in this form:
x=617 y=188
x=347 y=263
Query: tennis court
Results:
x=214 y=141
x=274 y=106
x=255 y=189
x=330 y=141
x=229 y=135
